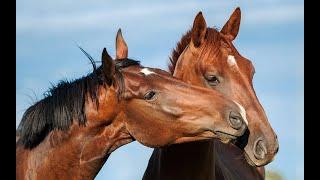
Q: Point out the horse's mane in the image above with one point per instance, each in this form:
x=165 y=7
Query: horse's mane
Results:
x=212 y=36
x=177 y=51
x=62 y=104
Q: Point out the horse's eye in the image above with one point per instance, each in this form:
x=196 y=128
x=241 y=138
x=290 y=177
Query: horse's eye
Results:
x=212 y=80
x=150 y=95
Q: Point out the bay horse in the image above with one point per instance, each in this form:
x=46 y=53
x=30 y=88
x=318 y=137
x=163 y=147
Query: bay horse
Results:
x=72 y=131
x=206 y=57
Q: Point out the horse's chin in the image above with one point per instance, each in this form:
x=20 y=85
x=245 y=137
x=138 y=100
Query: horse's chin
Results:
x=245 y=154
x=206 y=135
x=249 y=160
x=241 y=143
x=255 y=162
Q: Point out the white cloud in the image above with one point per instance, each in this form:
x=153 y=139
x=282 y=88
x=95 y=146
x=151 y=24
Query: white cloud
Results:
x=95 y=18
x=275 y=15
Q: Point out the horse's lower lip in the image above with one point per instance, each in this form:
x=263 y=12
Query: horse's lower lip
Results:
x=223 y=134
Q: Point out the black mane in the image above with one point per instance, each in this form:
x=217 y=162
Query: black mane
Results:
x=62 y=104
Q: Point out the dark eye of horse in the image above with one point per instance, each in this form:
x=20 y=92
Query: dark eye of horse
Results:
x=150 y=95
x=212 y=80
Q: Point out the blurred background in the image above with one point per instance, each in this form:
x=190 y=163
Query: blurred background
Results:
x=271 y=36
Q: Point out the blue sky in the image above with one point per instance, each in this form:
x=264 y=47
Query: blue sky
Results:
x=271 y=35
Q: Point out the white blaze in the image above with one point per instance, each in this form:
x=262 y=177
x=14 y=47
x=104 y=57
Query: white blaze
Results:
x=146 y=71
x=243 y=113
x=232 y=61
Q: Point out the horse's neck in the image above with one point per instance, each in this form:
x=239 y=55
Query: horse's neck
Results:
x=72 y=155
x=200 y=160
x=58 y=152
x=182 y=161
x=80 y=152
x=96 y=150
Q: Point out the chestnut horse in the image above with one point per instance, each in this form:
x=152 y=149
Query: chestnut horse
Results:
x=206 y=57
x=72 y=131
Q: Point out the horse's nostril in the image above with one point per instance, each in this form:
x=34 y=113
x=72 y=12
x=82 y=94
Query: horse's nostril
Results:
x=260 y=149
x=235 y=120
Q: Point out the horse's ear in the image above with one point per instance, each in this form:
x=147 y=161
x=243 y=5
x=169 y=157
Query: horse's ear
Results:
x=199 y=30
x=121 y=46
x=107 y=66
x=231 y=28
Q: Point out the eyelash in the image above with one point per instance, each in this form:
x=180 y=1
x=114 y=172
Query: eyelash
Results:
x=212 y=80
